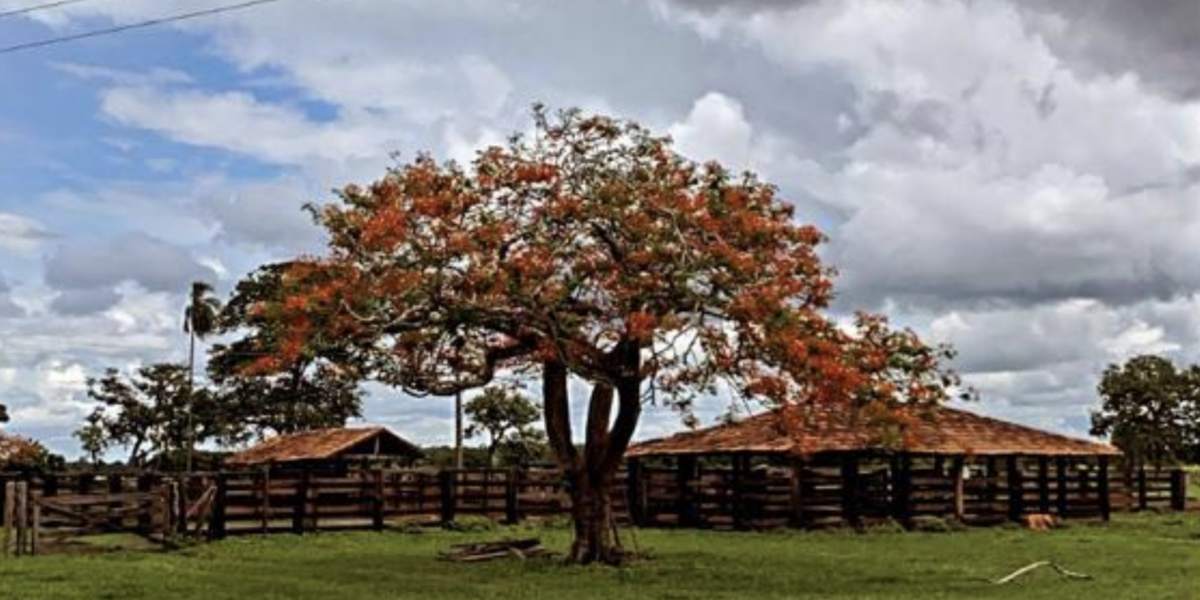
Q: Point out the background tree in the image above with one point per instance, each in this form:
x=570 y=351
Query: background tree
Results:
x=507 y=417
x=594 y=252
x=199 y=320
x=92 y=437
x=1151 y=410
x=28 y=457
x=318 y=388
x=3 y=413
x=154 y=413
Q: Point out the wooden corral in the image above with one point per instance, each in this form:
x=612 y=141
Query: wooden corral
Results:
x=754 y=494
x=824 y=467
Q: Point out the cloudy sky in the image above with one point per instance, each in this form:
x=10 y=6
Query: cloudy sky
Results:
x=1019 y=179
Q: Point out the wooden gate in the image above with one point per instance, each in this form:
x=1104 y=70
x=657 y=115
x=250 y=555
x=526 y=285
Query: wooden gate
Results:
x=40 y=518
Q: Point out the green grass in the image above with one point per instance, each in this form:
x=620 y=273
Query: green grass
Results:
x=1151 y=556
x=1193 y=490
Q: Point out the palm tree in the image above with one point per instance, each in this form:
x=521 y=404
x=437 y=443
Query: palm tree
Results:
x=199 y=320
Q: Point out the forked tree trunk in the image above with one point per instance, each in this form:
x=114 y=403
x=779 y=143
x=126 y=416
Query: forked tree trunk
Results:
x=590 y=474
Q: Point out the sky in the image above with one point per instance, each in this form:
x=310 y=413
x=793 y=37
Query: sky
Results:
x=1017 y=179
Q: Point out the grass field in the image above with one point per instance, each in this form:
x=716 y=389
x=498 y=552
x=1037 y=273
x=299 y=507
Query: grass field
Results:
x=1152 y=556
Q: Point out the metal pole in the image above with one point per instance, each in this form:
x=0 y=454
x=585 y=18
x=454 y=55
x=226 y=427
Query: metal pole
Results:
x=459 y=342
x=458 y=430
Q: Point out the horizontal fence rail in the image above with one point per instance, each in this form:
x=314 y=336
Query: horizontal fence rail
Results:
x=739 y=493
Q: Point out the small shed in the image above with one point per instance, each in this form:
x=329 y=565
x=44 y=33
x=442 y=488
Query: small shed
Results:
x=827 y=465
x=335 y=450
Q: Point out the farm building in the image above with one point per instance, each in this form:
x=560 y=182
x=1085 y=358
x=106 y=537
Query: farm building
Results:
x=827 y=467
x=330 y=450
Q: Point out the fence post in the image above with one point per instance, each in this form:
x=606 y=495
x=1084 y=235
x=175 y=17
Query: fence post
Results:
x=300 y=503
x=145 y=518
x=167 y=495
x=1102 y=489
x=216 y=528
x=1143 y=503
x=796 y=515
x=850 y=499
x=960 y=502
x=83 y=485
x=737 y=486
x=1043 y=475
x=377 y=505
x=22 y=506
x=1060 y=481
x=1016 y=492
x=10 y=501
x=264 y=500
x=685 y=475
x=50 y=485
x=35 y=540
x=179 y=492
x=116 y=485
x=446 y=485
x=635 y=489
x=993 y=474
x=1179 y=479
x=901 y=475
x=512 y=512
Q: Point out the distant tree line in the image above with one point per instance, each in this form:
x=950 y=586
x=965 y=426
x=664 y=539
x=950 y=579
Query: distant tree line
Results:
x=160 y=412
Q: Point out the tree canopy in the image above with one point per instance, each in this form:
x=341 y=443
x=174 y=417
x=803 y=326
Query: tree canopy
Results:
x=1150 y=408
x=318 y=388
x=148 y=413
x=508 y=418
x=593 y=250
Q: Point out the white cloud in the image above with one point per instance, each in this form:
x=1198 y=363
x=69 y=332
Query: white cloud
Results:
x=999 y=174
x=998 y=178
x=156 y=265
x=21 y=235
x=238 y=122
x=716 y=129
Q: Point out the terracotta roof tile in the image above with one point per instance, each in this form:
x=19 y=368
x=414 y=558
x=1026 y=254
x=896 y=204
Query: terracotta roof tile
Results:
x=318 y=444
x=946 y=431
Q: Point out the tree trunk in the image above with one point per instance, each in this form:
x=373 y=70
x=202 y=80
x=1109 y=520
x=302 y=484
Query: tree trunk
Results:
x=589 y=475
x=191 y=441
x=591 y=513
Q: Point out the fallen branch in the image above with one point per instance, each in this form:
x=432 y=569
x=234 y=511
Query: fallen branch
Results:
x=1041 y=563
x=475 y=552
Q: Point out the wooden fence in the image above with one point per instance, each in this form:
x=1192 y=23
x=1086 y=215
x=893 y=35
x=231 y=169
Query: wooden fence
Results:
x=164 y=506
x=258 y=502
x=861 y=491
x=38 y=512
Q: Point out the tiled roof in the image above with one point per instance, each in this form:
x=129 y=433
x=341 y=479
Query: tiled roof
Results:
x=944 y=430
x=318 y=444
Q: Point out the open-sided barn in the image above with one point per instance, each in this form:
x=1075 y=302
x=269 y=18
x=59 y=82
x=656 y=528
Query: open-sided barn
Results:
x=827 y=465
x=330 y=450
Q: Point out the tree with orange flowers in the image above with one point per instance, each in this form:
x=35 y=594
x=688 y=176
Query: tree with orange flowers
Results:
x=593 y=251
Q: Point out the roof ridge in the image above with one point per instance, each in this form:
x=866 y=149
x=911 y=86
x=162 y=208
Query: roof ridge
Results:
x=951 y=430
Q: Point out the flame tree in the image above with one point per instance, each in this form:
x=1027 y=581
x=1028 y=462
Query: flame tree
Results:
x=592 y=251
